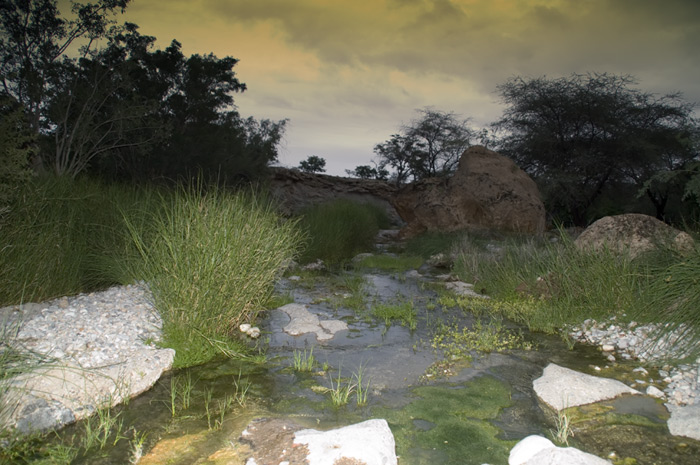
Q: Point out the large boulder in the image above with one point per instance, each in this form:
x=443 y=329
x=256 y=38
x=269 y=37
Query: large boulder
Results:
x=296 y=190
x=488 y=191
x=633 y=233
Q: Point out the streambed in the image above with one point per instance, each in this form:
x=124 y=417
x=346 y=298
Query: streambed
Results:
x=465 y=411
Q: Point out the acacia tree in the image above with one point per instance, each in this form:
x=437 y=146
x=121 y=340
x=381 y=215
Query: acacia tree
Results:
x=313 y=164
x=430 y=145
x=580 y=134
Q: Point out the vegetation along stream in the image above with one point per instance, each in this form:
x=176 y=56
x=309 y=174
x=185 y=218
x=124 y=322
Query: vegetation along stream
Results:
x=455 y=386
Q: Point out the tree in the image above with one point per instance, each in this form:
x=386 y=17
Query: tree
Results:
x=430 y=146
x=581 y=134
x=369 y=172
x=33 y=37
x=16 y=148
x=313 y=164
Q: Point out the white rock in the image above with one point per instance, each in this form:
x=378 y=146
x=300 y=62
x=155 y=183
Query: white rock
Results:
x=608 y=347
x=561 y=388
x=685 y=421
x=653 y=391
x=527 y=448
x=565 y=456
x=370 y=442
x=244 y=328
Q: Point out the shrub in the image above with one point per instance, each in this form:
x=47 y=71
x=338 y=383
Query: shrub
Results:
x=340 y=229
x=211 y=258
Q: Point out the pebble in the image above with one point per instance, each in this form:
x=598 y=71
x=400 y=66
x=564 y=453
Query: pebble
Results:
x=631 y=342
x=94 y=329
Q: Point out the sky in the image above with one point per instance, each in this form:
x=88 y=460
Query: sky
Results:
x=348 y=73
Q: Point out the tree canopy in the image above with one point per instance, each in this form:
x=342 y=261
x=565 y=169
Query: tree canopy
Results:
x=120 y=107
x=430 y=145
x=313 y=164
x=581 y=134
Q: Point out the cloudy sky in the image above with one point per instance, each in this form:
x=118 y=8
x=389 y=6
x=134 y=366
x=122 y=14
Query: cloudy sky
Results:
x=348 y=73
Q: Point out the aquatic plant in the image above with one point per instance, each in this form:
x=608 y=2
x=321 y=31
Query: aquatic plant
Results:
x=304 y=362
x=404 y=312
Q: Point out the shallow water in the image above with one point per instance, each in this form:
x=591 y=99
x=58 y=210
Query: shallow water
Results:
x=431 y=425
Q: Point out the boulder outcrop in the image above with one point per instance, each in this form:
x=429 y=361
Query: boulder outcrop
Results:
x=633 y=233
x=488 y=191
x=295 y=190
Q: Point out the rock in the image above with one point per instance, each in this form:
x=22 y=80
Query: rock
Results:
x=685 y=421
x=528 y=447
x=463 y=289
x=488 y=191
x=370 y=442
x=302 y=321
x=565 y=455
x=296 y=190
x=653 y=391
x=633 y=233
x=537 y=450
x=561 y=388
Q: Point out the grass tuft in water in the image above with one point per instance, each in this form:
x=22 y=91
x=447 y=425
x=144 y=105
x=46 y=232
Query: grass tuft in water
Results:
x=404 y=312
x=304 y=362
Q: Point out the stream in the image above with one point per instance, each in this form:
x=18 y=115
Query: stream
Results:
x=466 y=410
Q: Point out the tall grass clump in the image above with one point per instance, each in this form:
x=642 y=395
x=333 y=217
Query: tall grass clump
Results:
x=672 y=300
x=340 y=229
x=211 y=258
x=549 y=284
x=55 y=235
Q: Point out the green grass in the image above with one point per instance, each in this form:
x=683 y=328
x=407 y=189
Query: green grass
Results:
x=340 y=229
x=390 y=262
x=211 y=259
x=56 y=237
x=547 y=285
x=304 y=362
x=403 y=312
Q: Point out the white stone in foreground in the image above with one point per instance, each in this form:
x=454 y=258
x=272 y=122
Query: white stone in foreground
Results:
x=370 y=442
x=561 y=388
x=528 y=447
x=685 y=421
x=537 y=450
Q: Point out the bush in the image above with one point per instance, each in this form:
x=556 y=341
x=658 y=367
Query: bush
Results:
x=211 y=259
x=340 y=229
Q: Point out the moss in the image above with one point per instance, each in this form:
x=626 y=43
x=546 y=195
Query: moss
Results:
x=462 y=431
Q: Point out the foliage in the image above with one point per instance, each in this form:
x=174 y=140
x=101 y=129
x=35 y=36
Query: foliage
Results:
x=35 y=37
x=57 y=235
x=578 y=135
x=303 y=361
x=390 y=262
x=122 y=109
x=340 y=229
x=404 y=312
x=547 y=285
x=16 y=147
x=210 y=258
x=431 y=243
x=368 y=172
x=313 y=164
x=429 y=146
x=672 y=298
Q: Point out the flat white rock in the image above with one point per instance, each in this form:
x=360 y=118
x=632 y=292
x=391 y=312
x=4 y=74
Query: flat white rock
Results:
x=561 y=388
x=370 y=442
